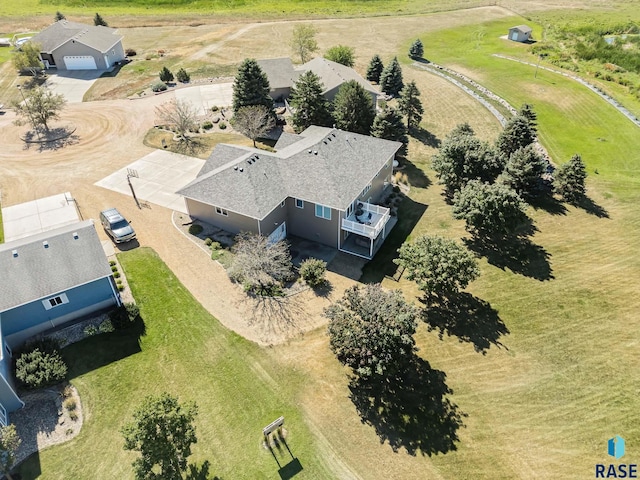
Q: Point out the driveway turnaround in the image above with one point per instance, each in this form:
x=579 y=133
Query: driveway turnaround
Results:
x=203 y=97
x=38 y=216
x=73 y=84
x=157 y=176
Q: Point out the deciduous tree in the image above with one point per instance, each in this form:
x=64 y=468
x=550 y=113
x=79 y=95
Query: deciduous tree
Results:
x=410 y=105
x=417 y=49
x=523 y=171
x=9 y=444
x=251 y=86
x=374 y=70
x=179 y=114
x=99 y=21
x=388 y=124
x=441 y=267
x=569 y=179
x=371 y=331
x=353 y=108
x=492 y=210
x=27 y=59
x=303 y=42
x=391 y=78
x=342 y=54
x=254 y=121
x=309 y=105
x=517 y=134
x=39 y=108
x=162 y=431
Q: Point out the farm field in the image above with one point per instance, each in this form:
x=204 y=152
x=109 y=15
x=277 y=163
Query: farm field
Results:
x=541 y=402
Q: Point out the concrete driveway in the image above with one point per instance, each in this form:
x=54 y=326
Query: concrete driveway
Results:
x=73 y=84
x=203 y=97
x=160 y=175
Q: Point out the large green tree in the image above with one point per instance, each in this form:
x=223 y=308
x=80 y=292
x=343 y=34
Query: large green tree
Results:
x=441 y=267
x=410 y=105
x=9 y=444
x=99 y=21
x=342 y=54
x=374 y=70
x=309 y=105
x=492 y=210
x=303 y=41
x=251 y=86
x=391 y=78
x=523 y=171
x=569 y=179
x=162 y=431
x=517 y=134
x=388 y=124
x=371 y=331
x=41 y=106
x=353 y=108
x=27 y=59
x=463 y=157
x=417 y=49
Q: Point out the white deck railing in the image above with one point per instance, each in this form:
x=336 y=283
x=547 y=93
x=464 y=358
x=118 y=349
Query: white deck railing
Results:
x=371 y=229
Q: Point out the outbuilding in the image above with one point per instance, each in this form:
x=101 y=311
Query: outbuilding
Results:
x=520 y=33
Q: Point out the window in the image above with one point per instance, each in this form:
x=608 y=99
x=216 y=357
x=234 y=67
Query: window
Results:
x=221 y=211
x=323 y=212
x=299 y=203
x=366 y=189
x=56 y=301
x=282 y=204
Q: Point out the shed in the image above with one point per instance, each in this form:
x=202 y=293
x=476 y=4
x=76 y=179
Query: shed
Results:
x=520 y=33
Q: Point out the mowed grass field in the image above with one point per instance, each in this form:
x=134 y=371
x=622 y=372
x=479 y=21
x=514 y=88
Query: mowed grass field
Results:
x=539 y=405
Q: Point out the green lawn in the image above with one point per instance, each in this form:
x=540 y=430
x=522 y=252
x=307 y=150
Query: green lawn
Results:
x=186 y=352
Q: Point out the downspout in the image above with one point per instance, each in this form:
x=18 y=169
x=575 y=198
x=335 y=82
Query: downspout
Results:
x=115 y=294
x=259 y=232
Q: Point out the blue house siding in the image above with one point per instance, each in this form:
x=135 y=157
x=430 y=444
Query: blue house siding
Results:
x=27 y=320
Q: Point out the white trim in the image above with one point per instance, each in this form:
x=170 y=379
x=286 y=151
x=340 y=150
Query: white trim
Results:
x=324 y=210
x=301 y=203
x=55 y=301
x=222 y=211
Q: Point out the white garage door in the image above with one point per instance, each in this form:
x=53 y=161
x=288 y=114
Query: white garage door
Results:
x=85 y=62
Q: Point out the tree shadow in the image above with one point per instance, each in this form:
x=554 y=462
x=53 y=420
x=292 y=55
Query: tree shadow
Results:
x=411 y=411
x=517 y=253
x=278 y=315
x=591 y=207
x=549 y=204
x=469 y=318
x=416 y=175
x=324 y=290
x=190 y=146
x=425 y=137
x=200 y=473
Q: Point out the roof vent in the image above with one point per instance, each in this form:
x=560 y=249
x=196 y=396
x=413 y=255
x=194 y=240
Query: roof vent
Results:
x=235 y=167
x=324 y=142
x=45 y=244
x=333 y=134
x=249 y=161
x=14 y=253
x=309 y=151
x=315 y=152
x=75 y=235
x=241 y=169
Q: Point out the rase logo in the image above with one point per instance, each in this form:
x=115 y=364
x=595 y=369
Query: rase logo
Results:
x=616 y=449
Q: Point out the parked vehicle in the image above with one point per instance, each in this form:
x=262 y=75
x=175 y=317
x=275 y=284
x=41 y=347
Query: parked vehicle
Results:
x=116 y=226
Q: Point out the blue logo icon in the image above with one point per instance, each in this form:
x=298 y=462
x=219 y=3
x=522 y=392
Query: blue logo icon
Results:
x=616 y=447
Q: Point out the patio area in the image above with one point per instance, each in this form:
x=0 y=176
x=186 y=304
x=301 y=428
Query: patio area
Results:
x=360 y=246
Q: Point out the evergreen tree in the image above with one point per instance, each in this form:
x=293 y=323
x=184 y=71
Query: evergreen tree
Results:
x=388 y=124
x=526 y=110
x=341 y=54
x=517 y=134
x=251 y=86
x=569 y=179
x=165 y=75
x=310 y=106
x=353 y=108
x=99 y=21
x=391 y=78
x=59 y=16
x=523 y=171
x=417 y=49
x=374 y=70
x=410 y=105
x=183 y=76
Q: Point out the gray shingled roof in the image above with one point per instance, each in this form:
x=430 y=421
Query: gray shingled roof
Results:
x=279 y=71
x=522 y=28
x=38 y=272
x=334 y=74
x=100 y=38
x=326 y=166
x=286 y=139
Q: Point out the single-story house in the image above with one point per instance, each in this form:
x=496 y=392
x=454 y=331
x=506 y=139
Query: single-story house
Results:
x=320 y=185
x=75 y=46
x=520 y=33
x=50 y=279
x=282 y=75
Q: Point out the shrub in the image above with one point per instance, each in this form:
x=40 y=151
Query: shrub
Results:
x=120 y=288
x=182 y=76
x=70 y=404
x=195 y=229
x=114 y=268
x=37 y=368
x=396 y=189
x=66 y=391
x=90 y=330
x=215 y=246
x=207 y=125
x=106 y=327
x=130 y=52
x=165 y=74
x=208 y=241
x=214 y=108
x=222 y=126
x=124 y=316
x=73 y=416
x=312 y=270
x=116 y=274
x=112 y=263
x=158 y=87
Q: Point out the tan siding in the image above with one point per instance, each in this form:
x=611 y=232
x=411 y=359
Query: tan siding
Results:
x=233 y=222
x=273 y=220
x=72 y=48
x=303 y=222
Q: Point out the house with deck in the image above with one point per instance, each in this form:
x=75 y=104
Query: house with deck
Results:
x=321 y=185
x=50 y=280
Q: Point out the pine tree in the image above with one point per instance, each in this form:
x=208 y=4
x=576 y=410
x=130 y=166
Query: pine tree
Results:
x=388 y=124
x=517 y=134
x=165 y=75
x=311 y=108
x=391 y=78
x=410 y=105
x=417 y=49
x=374 y=70
x=183 y=76
x=99 y=21
x=569 y=179
x=523 y=171
x=59 y=16
x=353 y=108
x=251 y=86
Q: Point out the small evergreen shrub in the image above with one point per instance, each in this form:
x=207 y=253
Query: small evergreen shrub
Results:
x=312 y=270
x=116 y=274
x=215 y=108
x=182 y=76
x=36 y=368
x=215 y=246
x=124 y=316
x=106 y=327
x=207 y=125
x=120 y=288
x=70 y=404
x=159 y=87
x=114 y=268
x=90 y=330
x=222 y=125
x=195 y=229
x=130 y=52
x=73 y=415
x=208 y=242
x=112 y=263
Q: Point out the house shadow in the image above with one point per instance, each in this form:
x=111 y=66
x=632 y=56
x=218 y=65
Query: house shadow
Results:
x=411 y=411
x=425 y=137
x=469 y=318
x=517 y=253
x=409 y=214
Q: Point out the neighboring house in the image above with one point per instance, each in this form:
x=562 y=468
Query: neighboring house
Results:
x=521 y=33
x=49 y=280
x=320 y=185
x=75 y=46
x=282 y=76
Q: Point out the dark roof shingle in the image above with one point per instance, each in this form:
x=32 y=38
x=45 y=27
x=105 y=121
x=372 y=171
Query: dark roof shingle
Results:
x=100 y=38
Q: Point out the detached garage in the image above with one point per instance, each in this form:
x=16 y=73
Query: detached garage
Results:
x=74 y=46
